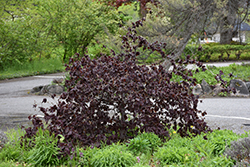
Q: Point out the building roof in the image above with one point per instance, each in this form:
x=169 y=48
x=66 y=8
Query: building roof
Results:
x=243 y=27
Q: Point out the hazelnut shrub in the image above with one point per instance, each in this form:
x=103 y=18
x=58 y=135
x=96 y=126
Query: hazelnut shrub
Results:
x=112 y=98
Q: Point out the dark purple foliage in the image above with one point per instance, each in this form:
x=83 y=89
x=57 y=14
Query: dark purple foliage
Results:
x=113 y=99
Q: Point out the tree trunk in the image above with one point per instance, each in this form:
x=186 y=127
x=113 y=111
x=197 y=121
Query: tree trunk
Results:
x=65 y=55
x=226 y=37
x=226 y=33
x=182 y=44
x=143 y=10
x=228 y=22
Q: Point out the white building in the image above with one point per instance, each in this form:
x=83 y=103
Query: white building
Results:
x=243 y=29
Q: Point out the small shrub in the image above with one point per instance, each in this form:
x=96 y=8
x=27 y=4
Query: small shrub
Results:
x=10 y=152
x=139 y=145
x=45 y=151
x=179 y=151
x=153 y=139
x=169 y=155
x=11 y=149
x=245 y=56
x=115 y=155
x=239 y=151
x=81 y=156
x=220 y=140
x=216 y=161
x=222 y=161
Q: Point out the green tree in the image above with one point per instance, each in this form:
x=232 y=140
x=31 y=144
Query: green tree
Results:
x=12 y=9
x=22 y=41
x=22 y=36
x=75 y=23
x=33 y=29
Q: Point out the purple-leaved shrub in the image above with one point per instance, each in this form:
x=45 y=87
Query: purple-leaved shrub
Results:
x=112 y=98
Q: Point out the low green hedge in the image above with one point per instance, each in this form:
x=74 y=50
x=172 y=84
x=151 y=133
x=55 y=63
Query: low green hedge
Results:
x=213 y=52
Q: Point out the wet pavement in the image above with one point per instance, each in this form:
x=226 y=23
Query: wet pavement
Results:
x=16 y=101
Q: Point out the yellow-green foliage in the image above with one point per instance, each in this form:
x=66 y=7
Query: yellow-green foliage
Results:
x=218 y=52
x=41 y=29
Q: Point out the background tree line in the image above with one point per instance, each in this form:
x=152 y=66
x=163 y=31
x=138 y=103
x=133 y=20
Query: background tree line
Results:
x=33 y=29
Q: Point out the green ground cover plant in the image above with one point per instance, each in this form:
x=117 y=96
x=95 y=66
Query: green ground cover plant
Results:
x=144 y=143
x=233 y=71
x=114 y=155
x=43 y=150
x=217 y=148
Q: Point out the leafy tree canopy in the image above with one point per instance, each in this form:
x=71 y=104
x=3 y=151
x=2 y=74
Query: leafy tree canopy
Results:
x=31 y=29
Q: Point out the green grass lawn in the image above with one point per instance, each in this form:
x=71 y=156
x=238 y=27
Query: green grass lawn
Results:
x=238 y=72
x=37 y=67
